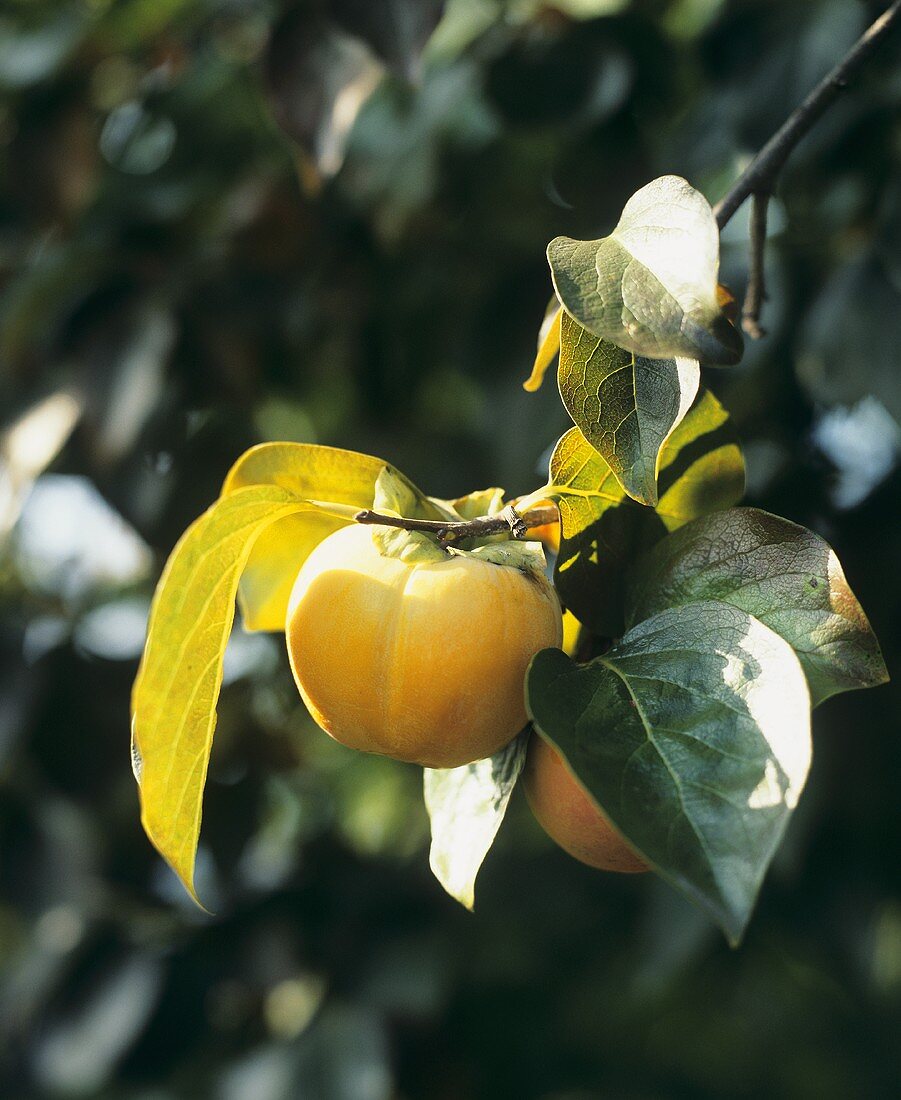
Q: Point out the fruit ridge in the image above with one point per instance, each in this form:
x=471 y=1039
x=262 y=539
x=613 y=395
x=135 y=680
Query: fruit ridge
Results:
x=424 y=662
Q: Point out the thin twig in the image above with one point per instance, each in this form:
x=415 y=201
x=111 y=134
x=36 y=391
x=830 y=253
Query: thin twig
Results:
x=449 y=531
x=759 y=177
x=755 y=295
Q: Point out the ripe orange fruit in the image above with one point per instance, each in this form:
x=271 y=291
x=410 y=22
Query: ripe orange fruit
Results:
x=423 y=661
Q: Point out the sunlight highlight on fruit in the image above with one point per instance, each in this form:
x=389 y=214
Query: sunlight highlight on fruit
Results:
x=423 y=662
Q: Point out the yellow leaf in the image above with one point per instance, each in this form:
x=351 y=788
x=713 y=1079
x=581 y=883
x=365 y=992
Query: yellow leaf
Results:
x=548 y=347
x=177 y=687
x=572 y=634
x=313 y=472
x=603 y=530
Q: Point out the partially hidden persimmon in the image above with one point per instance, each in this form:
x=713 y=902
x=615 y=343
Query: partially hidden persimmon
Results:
x=423 y=661
x=569 y=816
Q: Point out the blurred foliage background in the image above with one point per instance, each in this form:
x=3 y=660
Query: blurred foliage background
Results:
x=225 y=221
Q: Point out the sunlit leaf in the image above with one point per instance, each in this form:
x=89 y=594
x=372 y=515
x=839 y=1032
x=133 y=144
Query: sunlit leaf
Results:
x=572 y=634
x=604 y=531
x=466 y=806
x=625 y=406
x=783 y=574
x=692 y=734
x=651 y=286
x=548 y=346
x=177 y=687
x=311 y=472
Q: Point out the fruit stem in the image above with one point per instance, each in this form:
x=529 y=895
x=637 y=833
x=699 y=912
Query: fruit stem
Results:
x=509 y=521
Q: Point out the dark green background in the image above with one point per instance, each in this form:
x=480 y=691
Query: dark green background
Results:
x=162 y=260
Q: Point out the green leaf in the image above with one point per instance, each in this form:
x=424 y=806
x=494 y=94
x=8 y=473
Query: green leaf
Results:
x=651 y=286
x=466 y=806
x=603 y=531
x=692 y=734
x=548 y=346
x=784 y=575
x=312 y=472
x=177 y=687
x=625 y=406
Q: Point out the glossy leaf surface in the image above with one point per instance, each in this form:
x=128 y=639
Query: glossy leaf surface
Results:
x=466 y=806
x=651 y=286
x=784 y=575
x=692 y=734
x=625 y=406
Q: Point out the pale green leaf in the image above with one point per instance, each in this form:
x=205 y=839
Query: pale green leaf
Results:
x=651 y=286
x=603 y=531
x=177 y=687
x=625 y=406
x=692 y=734
x=466 y=806
x=783 y=574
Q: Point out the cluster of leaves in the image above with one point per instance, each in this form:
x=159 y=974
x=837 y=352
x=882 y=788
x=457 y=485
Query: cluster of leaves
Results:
x=691 y=731
x=278 y=502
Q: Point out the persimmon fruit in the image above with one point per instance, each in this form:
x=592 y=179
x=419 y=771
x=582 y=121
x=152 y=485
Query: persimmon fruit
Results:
x=568 y=815
x=421 y=661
